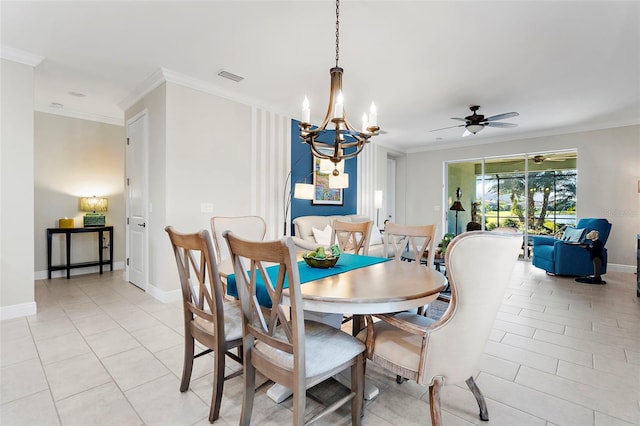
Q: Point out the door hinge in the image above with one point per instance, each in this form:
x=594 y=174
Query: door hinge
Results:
x=127 y=181
x=127 y=221
x=127 y=261
x=127 y=141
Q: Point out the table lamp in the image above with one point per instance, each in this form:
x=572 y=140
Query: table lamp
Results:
x=92 y=205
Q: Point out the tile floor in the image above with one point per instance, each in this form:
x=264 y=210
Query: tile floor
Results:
x=102 y=352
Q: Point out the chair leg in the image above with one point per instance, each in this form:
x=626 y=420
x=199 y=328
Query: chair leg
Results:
x=218 y=383
x=249 y=390
x=299 y=402
x=484 y=413
x=357 y=386
x=434 y=401
x=187 y=366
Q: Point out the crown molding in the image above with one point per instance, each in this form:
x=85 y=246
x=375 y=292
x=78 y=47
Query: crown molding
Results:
x=165 y=75
x=143 y=89
x=82 y=115
x=20 y=56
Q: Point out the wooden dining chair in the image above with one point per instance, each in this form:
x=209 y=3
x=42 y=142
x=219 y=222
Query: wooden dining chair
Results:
x=208 y=318
x=250 y=227
x=351 y=237
x=278 y=342
x=415 y=241
x=448 y=350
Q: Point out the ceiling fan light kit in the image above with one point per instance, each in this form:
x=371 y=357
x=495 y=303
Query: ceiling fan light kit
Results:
x=476 y=122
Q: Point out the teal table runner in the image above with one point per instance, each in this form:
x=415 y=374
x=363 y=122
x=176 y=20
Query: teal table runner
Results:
x=347 y=262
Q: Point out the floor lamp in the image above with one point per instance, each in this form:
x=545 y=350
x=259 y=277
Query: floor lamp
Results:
x=457 y=207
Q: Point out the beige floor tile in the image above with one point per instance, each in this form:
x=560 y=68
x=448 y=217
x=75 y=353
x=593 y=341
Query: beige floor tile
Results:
x=173 y=359
x=21 y=379
x=111 y=342
x=514 y=328
x=620 y=402
x=522 y=356
x=134 y=368
x=36 y=409
x=610 y=336
x=461 y=402
x=499 y=367
x=550 y=349
x=534 y=402
x=55 y=327
x=532 y=322
x=601 y=379
x=104 y=404
x=94 y=324
x=605 y=420
x=160 y=402
x=75 y=375
x=613 y=366
x=562 y=320
x=17 y=350
x=135 y=320
x=80 y=310
x=157 y=337
x=61 y=347
x=14 y=329
x=586 y=346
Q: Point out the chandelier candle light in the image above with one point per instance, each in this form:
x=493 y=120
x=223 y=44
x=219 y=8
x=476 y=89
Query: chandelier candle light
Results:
x=347 y=141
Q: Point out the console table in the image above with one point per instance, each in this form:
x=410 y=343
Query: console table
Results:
x=100 y=230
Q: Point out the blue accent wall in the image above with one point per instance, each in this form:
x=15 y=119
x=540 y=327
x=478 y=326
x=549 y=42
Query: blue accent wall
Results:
x=301 y=163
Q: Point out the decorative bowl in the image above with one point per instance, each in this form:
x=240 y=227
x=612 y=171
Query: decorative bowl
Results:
x=327 y=262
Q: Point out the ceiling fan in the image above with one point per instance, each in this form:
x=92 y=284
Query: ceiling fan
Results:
x=553 y=157
x=476 y=122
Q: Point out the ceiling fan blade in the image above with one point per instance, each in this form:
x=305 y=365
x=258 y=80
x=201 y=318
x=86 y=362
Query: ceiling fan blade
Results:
x=444 y=128
x=502 y=116
x=503 y=125
x=466 y=133
x=459 y=119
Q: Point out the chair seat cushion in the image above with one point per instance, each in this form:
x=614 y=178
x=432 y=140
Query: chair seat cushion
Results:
x=326 y=348
x=232 y=321
x=397 y=346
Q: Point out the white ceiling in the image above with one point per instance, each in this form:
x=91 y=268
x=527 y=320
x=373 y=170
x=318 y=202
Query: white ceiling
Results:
x=563 y=65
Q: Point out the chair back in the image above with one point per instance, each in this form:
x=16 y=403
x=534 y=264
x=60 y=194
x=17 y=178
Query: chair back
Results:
x=479 y=267
x=352 y=237
x=592 y=224
x=417 y=241
x=249 y=227
x=202 y=293
x=279 y=327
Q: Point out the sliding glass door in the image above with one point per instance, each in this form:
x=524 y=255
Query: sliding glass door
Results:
x=533 y=193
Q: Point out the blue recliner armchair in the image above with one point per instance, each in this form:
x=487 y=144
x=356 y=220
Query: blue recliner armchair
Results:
x=561 y=258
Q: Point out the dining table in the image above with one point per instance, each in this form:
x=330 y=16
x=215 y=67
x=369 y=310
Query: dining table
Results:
x=358 y=285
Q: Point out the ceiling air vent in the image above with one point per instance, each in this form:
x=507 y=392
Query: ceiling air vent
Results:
x=230 y=76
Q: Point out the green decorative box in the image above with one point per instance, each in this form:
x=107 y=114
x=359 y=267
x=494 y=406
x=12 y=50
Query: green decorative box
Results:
x=94 y=219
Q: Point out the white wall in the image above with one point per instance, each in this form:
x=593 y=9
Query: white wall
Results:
x=76 y=158
x=208 y=149
x=608 y=175
x=16 y=191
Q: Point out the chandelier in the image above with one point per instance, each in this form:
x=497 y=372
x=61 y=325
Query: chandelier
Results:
x=347 y=141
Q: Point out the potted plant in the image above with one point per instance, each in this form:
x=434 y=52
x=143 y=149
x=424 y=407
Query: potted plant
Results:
x=446 y=239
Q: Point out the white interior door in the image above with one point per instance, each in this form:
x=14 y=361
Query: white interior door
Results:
x=137 y=212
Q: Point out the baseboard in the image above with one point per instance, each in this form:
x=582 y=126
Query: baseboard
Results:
x=164 y=296
x=43 y=275
x=630 y=269
x=18 y=311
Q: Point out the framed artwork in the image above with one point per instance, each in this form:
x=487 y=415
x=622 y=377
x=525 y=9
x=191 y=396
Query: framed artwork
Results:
x=322 y=194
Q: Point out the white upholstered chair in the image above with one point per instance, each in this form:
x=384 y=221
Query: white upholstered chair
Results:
x=208 y=318
x=447 y=351
x=278 y=342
